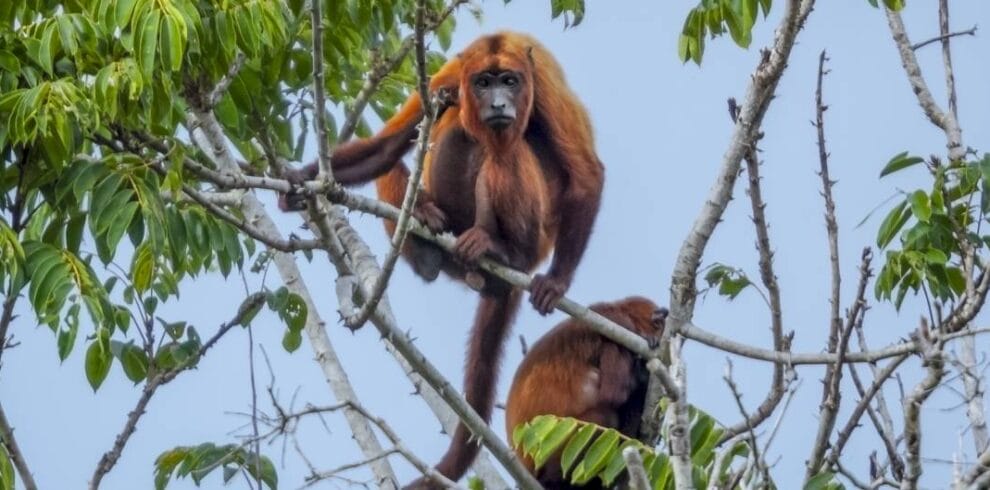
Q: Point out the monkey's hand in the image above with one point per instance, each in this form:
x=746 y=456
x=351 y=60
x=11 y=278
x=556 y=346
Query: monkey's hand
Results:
x=446 y=97
x=296 y=176
x=473 y=244
x=431 y=216
x=546 y=290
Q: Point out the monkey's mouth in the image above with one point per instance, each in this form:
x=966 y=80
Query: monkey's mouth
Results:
x=500 y=121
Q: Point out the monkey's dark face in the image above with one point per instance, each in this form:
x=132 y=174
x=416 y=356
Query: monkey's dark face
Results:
x=498 y=94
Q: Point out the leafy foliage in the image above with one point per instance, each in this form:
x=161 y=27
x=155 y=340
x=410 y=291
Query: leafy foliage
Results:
x=932 y=226
x=730 y=281
x=588 y=451
x=6 y=470
x=197 y=462
x=716 y=17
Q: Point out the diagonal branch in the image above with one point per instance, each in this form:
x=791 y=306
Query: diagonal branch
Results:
x=156 y=380
x=912 y=69
x=968 y=32
x=14 y=452
x=832 y=396
x=412 y=185
x=683 y=291
x=769 y=279
x=210 y=136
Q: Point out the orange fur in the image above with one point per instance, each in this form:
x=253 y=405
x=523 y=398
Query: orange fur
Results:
x=573 y=371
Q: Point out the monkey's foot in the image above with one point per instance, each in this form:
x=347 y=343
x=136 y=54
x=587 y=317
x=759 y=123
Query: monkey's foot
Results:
x=472 y=245
x=545 y=291
x=431 y=216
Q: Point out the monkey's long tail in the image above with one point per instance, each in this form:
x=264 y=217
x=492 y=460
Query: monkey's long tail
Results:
x=492 y=323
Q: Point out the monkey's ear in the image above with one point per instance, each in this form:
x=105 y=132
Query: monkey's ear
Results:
x=529 y=54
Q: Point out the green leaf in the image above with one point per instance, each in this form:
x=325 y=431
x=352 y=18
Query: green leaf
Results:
x=900 y=161
x=575 y=447
x=98 y=359
x=823 y=481
x=135 y=363
x=9 y=62
x=6 y=470
x=67 y=337
x=149 y=42
x=597 y=457
x=291 y=340
x=892 y=224
x=920 y=206
x=552 y=442
x=143 y=268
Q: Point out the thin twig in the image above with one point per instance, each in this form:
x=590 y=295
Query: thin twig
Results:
x=832 y=395
x=412 y=185
x=754 y=446
x=769 y=279
x=221 y=87
x=831 y=226
x=156 y=380
x=9 y=443
x=381 y=70
x=319 y=94
x=968 y=32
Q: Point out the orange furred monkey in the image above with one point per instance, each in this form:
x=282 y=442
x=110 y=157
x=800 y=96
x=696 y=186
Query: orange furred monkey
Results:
x=512 y=170
x=573 y=371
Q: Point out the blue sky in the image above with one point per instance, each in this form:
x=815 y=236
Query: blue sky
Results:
x=661 y=129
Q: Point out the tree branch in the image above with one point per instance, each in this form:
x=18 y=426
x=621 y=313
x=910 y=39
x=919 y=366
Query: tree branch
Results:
x=319 y=95
x=769 y=279
x=14 y=451
x=912 y=69
x=968 y=32
x=933 y=357
x=634 y=466
x=381 y=70
x=683 y=291
x=325 y=355
x=412 y=185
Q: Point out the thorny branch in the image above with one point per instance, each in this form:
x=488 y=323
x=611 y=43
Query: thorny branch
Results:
x=210 y=137
x=769 y=279
x=946 y=122
x=682 y=287
x=14 y=452
x=933 y=358
x=357 y=202
x=412 y=186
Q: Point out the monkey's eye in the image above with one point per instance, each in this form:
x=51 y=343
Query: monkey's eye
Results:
x=481 y=83
x=510 y=81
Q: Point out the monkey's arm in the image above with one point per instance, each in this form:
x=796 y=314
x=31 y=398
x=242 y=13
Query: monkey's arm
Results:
x=578 y=209
x=482 y=237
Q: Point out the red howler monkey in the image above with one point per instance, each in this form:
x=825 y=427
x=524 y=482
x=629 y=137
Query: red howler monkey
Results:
x=512 y=171
x=573 y=371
